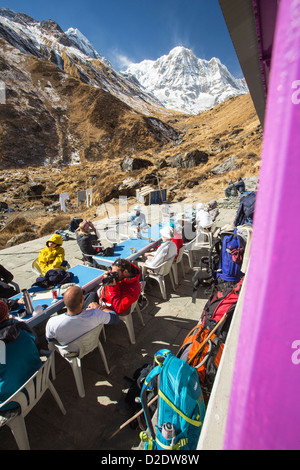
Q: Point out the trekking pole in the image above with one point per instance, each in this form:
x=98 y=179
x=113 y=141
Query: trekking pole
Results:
x=131 y=419
x=207 y=338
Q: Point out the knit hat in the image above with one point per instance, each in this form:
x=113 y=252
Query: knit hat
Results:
x=3 y=311
x=166 y=232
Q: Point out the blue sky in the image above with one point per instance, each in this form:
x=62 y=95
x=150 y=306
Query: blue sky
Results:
x=127 y=31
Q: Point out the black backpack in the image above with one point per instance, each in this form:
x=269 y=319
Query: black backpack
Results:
x=74 y=224
x=133 y=395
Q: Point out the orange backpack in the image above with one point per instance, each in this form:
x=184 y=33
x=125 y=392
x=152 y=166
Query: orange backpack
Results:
x=207 y=361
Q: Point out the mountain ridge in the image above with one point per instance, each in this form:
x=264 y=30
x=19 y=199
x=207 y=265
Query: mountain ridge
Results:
x=206 y=83
x=143 y=86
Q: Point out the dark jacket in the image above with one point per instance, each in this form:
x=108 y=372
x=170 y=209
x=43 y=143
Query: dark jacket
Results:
x=6 y=277
x=54 y=277
x=245 y=212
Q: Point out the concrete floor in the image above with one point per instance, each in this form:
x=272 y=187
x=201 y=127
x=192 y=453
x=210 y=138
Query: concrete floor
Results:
x=91 y=420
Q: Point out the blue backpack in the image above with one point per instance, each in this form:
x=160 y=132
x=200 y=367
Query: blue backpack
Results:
x=228 y=251
x=180 y=404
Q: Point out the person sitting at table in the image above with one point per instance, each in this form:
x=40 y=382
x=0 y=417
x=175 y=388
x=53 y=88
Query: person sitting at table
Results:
x=77 y=321
x=138 y=219
x=124 y=288
x=86 y=240
x=203 y=218
x=185 y=227
x=6 y=291
x=53 y=256
x=22 y=357
x=167 y=249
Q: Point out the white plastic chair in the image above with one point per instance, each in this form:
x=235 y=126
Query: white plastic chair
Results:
x=202 y=239
x=160 y=278
x=117 y=233
x=27 y=396
x=207 y=237
x=188 y=250
x=127 y=319
x=178 y=260
x=76 y=350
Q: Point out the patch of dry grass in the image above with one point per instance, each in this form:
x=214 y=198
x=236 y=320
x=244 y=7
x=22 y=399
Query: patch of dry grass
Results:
x=59 y=222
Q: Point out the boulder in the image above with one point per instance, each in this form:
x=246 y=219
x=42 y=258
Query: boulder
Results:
x=130 y=163
x=34 y=189
x=189 y=159
x=227 y=165
x=194 y=158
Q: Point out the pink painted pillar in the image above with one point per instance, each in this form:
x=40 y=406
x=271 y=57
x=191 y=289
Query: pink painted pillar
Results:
x=264 y=408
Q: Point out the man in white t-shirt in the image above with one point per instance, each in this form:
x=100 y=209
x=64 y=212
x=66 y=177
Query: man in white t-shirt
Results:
x=69 y=326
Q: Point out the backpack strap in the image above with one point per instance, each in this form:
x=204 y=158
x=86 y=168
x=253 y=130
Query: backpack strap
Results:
x=159 y=358
x=148 y=383
x=195 y=422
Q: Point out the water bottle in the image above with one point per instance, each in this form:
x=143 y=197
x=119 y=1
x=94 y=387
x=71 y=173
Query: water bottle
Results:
x=168 y=431
x=27 y=301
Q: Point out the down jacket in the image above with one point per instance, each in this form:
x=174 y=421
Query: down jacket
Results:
x=124 y=293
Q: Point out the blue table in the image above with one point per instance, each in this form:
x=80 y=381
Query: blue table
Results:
x=85 y=276
x=150 y=238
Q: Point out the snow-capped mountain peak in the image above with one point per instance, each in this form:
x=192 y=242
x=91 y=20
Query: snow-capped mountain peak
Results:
x=85 y=46
x=181 y=81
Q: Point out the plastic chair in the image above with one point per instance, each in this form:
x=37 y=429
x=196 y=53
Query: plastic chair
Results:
x=197 y=243
x=27 y=396
x=127 y=319
x=178 y=260
x=188 y=250
x=160 y=278
x=35 y=267
x=117 y=234
x=76 y=350
x=207 y=237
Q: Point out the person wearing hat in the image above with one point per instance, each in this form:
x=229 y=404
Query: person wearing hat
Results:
x=138 y=219
x=53 y=256
x=20 y=357
x=86 y=240
x=166 y=250
x=203 y=218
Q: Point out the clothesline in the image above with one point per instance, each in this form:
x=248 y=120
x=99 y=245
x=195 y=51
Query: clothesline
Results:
x=82 y=196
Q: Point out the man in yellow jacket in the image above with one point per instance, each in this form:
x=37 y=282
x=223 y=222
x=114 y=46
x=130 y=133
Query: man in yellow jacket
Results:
x=53 y=256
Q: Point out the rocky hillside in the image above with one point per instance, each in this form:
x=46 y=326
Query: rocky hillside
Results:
x=50 y=116
x=60 y=133
x=218 y=144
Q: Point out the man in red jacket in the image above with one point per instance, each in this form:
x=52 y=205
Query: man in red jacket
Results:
x=120 y=294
